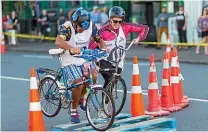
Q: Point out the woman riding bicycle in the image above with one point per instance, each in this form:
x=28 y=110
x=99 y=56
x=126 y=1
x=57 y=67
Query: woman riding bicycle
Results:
x=122 y=29
x=73 y=35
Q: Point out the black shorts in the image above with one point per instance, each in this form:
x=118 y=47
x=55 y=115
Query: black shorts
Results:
x=204 y=34
x=106 y=64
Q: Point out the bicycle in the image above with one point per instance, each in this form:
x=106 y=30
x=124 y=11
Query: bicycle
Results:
x=61 y=98
x=116 y=78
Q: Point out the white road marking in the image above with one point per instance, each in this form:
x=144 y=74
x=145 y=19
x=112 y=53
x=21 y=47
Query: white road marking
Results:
x=129 y=92
x=141 y=63
x=15 y=78
x=39 y=56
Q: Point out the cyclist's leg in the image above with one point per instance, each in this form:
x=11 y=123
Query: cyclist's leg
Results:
x=94 y=78
x=76 y=94
x=75 y=74
x=106 y=75
x=86 y=85
x=119 y=70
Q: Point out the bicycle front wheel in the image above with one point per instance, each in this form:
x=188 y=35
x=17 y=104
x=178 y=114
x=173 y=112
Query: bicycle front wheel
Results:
x=118 y=90
x=100 y=115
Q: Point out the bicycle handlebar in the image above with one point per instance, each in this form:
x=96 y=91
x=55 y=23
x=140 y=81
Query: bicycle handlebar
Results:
x=91 y=55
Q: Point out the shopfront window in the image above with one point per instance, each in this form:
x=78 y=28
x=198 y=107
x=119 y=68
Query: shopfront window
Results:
x=53 y=4
x=74 y=3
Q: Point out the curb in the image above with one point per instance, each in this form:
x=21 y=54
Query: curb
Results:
x=127 y=57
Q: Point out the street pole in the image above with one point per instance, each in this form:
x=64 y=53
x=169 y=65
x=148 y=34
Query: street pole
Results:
x=1 y=27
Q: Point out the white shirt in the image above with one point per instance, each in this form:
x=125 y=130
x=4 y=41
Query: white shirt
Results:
x=77 y=40
x=115 y=52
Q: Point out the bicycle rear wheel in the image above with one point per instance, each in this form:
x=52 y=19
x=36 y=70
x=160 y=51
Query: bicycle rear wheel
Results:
x=100 y=118
x=49 y=97
x=118 y=90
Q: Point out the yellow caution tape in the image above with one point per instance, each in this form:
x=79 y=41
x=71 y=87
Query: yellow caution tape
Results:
x=146 y=43
x=176 y=44
x=31 y=36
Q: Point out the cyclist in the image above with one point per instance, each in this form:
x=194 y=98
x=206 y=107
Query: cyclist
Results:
x=73 y=35
x=122 y=29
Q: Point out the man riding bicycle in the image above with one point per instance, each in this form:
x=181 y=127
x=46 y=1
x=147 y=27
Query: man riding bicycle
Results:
x=73 y=35
x=122 y=29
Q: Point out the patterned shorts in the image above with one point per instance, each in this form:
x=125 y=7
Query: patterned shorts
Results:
x=74 y=72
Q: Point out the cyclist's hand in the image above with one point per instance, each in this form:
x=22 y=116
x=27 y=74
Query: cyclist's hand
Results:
x=105 y=49
x=75 y=50
x=136 y=40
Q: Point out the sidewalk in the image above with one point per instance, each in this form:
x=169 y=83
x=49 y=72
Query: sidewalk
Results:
x=185 y=56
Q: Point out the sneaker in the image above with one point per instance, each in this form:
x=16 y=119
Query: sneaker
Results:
x=75 y=117
x=82 y=105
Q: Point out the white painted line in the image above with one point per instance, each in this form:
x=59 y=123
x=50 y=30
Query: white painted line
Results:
x=193 y=99
x=200 y=100
x=15 y=78
x=129 y=92
x=39 y=56
x=141 y=63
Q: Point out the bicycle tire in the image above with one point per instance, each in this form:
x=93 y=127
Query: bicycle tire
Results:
x=59 y=103
x=113 y=110
x=109 y=88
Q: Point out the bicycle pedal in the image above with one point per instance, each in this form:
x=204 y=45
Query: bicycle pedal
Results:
x=65 y=102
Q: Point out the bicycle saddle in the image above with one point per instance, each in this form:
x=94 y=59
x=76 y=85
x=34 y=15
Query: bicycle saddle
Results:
x=56 y=51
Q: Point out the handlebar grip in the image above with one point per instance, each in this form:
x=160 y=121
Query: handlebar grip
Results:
x=75 y=55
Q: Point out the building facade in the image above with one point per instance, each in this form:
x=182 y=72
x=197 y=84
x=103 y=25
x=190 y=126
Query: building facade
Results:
x=144 y=12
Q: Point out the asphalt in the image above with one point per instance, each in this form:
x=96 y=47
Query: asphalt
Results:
x=15 y=87
x=142 y=51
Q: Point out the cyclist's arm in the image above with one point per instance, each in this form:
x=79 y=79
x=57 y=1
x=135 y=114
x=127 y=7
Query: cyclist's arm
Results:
x=63 y=36
x=96 y=37
x=141 y=29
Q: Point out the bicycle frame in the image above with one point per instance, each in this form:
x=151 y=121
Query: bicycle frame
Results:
x=61 y=73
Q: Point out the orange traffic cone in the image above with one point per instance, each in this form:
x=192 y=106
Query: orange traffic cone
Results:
x=174 y=80
x=184 y=99
x=36 y=122
x=154 y=106
x=3 y=47
x=168 y=50
x=137 y=102
x=166 y=92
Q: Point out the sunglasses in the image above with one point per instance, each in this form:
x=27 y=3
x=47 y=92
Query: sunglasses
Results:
x=115 y=21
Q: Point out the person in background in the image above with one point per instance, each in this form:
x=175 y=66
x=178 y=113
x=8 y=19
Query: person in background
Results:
x=181 y=21
x=203 y=29
x=62 y=18
x=34 y=17
x=43 y=23
x=104 y=16
x=8 y=27
x=162 y=22
x=95 y=16
x=69 y=14
x=4 y=22
x=13 y=30
x=8 y=22
x=14 y=20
